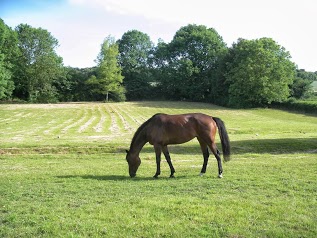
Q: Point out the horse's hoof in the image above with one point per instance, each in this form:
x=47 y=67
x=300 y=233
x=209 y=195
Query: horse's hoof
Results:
x=220 y=176
x=172 y=176
x=155 y=176
x=201 y=174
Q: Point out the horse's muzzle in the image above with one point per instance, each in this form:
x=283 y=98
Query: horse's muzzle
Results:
x=132 y=175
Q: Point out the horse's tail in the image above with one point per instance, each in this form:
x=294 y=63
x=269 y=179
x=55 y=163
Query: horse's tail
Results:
x=225 y=142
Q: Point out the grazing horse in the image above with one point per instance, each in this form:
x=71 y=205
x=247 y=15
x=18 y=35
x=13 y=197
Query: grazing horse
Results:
x=162 y=130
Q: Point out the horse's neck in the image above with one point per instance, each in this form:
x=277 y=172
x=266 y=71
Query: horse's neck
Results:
x=138 y=143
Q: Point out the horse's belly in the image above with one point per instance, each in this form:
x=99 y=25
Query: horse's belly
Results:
x=175 y=137
x=172 y=133
x=178 y=140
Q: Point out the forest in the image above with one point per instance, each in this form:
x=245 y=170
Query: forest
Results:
x=196 y=65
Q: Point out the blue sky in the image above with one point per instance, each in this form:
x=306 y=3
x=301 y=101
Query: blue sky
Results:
x=81 y=25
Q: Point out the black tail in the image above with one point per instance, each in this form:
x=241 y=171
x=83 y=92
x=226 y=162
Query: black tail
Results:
x=225 y=142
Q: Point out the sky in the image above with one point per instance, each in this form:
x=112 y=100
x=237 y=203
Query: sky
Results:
x=80 y=26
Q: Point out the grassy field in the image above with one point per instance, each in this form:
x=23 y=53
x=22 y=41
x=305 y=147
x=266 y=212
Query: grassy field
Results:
x=63 y=174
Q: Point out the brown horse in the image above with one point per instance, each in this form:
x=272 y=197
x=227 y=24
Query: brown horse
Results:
x=162 y=130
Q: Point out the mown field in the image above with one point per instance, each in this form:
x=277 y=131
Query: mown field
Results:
x=63 y=174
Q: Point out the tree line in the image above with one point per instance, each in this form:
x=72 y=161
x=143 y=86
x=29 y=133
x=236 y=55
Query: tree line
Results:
x=196 y=65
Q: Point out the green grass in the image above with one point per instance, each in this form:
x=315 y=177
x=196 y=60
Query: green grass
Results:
x=63 y=174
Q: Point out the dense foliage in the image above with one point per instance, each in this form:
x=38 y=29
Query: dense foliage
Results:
x=195 y=66
x=135 y=48
x=8 y=54
x=302 y=86
x=259 y=73
x=309 y=106
x=187 y=67
x=38 y=66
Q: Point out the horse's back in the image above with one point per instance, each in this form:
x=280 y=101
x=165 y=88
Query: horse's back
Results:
x=183 y=120
x=177 y=129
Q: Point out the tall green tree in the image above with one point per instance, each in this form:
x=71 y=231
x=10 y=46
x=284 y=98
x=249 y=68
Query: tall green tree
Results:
x=259 y=73
x=108 y=80
x=6 y=85
x=135 y=49
x=9 y=53
x=38 y=66
x=190 y=62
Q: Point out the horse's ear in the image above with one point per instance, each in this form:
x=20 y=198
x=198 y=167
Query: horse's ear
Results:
x=127 y=151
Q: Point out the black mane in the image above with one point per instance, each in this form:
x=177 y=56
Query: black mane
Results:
x=141 y=128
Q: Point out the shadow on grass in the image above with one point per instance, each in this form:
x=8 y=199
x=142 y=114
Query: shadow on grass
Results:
x=96 y=177
x=275 y=146
x=270 y=146
x=118 y=177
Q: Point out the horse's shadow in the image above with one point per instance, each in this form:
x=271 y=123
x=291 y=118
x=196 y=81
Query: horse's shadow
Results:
x=115 y=177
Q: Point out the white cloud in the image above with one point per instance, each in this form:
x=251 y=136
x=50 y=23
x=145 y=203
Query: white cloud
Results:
x=81 y=25
x=290 y=23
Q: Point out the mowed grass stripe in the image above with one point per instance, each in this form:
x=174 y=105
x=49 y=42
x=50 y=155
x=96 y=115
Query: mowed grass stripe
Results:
x=130 y=121
x=89 y=119
x=79 y=116
x=116 y=121
x=99 y=127
x=124 y=122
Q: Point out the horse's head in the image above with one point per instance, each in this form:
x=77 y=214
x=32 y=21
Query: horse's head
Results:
x=134 y=163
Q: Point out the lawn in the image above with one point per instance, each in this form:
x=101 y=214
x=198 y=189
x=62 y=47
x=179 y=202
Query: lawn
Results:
x=63 y=174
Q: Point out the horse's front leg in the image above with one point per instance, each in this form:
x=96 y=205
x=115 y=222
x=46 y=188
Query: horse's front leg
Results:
x=158 y=151
x=169 y=161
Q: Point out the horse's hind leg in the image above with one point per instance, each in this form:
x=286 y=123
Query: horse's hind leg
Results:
x=208 y=141
x=169 y=161
x=205 y=152
x=216 y=152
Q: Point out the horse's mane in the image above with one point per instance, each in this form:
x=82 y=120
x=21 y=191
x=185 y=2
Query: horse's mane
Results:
x=138 y=131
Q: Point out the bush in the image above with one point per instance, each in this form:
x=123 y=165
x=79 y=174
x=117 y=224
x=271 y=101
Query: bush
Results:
x=307 y=106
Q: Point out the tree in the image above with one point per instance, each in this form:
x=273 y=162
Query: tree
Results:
x=108 y=79
x=135 y=49
x=191 y=62
x=259 y=73
x=38 y=65
x=9 y=53
x=74 y=87
x=302 y=86
x=6 y=85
